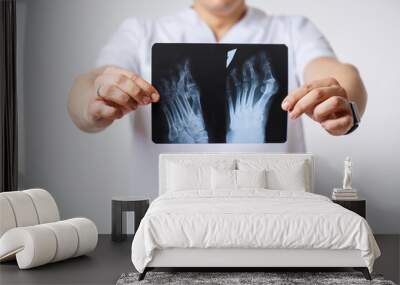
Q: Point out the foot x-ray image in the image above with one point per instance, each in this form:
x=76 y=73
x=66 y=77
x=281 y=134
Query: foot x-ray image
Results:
x=219 y=93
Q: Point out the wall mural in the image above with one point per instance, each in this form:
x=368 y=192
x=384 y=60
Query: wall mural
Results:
x=219 y=93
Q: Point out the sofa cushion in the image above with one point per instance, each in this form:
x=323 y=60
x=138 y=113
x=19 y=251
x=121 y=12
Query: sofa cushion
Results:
x=26 y=208
x=40 y=244
x=7 y=220
x=45 y=205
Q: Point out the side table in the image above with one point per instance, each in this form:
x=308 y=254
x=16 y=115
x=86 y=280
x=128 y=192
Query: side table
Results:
x=121 y=205
x=358 y=206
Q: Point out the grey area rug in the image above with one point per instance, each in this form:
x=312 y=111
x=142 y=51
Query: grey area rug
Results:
x=269 y=278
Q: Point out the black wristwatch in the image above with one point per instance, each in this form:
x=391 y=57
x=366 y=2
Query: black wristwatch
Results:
x=356 y=117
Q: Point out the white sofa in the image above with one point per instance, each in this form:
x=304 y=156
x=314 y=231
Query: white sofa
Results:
x=31 y=231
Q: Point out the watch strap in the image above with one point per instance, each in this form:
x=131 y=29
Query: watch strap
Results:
x=356 y=117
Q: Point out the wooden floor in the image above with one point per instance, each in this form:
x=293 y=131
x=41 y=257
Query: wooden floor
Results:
x=110 y=260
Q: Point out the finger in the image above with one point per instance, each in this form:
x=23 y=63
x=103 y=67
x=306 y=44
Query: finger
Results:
x=99 y=110
x=307 y=103
x=123 y=83
x=114 y=94
x=148 y=89
x=338 y=126
x=291 y=100
x=329 y=108
x=133 y=105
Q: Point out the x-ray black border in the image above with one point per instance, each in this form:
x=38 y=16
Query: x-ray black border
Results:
x=279 y=58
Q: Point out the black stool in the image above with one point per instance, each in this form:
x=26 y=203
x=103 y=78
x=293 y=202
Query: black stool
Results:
x=121 y=205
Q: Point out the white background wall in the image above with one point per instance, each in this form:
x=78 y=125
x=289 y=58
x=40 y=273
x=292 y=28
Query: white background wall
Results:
x=84 y=171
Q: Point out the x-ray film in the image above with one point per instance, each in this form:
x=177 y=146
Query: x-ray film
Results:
x=219 y=93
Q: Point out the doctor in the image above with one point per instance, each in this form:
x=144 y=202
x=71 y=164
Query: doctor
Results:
x=328 y=91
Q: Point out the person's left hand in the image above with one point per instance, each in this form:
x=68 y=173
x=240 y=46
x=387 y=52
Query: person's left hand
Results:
x=324 y=101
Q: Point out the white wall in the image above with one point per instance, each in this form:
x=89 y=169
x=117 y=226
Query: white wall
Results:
x=84 y=171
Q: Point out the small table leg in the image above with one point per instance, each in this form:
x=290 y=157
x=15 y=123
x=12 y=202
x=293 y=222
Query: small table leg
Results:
x=140 y=211
x=116 y=230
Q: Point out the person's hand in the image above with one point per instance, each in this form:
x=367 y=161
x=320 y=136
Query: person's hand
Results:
x=118 y=92
x=324 y=101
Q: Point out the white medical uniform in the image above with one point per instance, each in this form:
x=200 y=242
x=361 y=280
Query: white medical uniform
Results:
x=130 y=48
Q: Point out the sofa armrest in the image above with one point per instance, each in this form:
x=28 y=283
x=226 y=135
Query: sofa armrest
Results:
x=41 y=244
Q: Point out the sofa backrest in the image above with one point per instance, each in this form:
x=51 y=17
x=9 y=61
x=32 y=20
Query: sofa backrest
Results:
x=234 y=160
x=26 y=208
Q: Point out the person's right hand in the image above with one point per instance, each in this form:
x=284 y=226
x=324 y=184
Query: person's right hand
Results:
x=118 y=92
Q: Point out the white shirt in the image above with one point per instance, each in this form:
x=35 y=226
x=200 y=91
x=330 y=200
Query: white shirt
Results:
x=130 y=48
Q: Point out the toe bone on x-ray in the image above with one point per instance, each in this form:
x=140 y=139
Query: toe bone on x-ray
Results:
x=182 y=108
x=249 y=92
